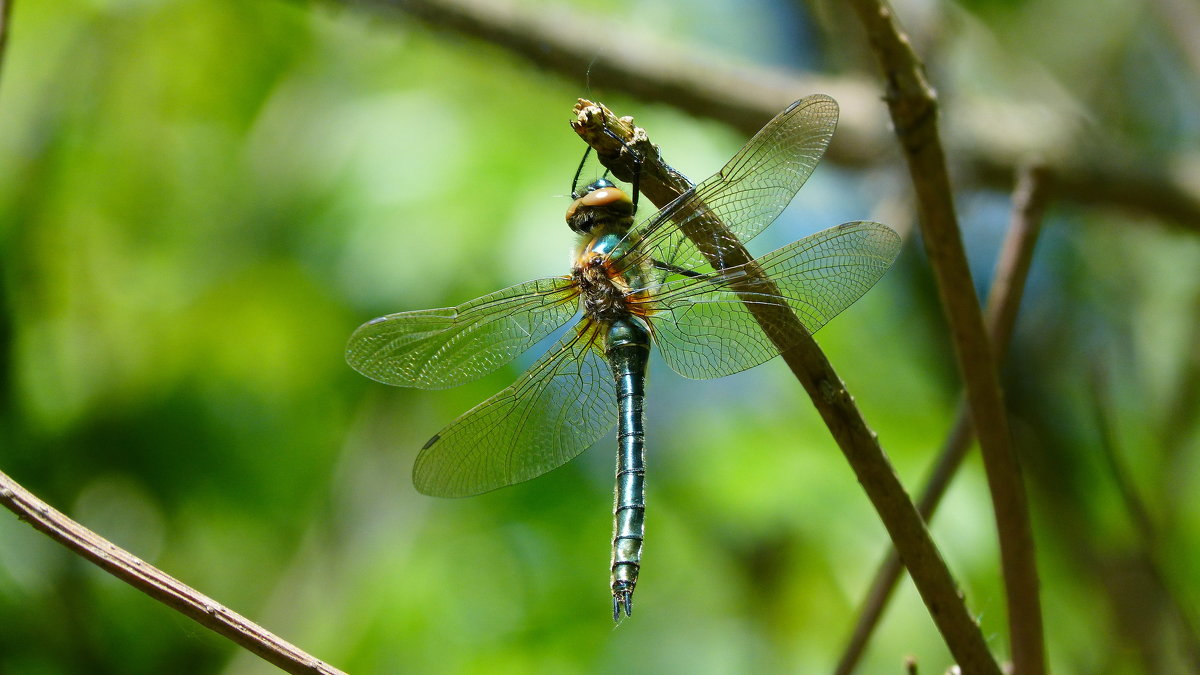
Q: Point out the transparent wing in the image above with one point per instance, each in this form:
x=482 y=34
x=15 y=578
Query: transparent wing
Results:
x=438 y=348
x=704 y=329
x=747 y=194
x=562 y=405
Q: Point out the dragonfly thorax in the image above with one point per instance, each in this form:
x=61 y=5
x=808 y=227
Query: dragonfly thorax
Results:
x=610 y=287
x=602 y=293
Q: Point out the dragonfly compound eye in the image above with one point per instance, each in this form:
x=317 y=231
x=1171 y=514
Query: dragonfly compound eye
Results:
x=580 y=217
x=608 y=205
x=610 y=197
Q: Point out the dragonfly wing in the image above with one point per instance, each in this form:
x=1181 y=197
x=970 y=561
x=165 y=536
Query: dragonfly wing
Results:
x=437 y=348
x=748 y=193
x=704 y=329
x=561 y=406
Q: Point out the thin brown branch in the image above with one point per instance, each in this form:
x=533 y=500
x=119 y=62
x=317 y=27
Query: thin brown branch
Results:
x=1012 y=268
x=887 y=575
x=913 y=107
x=661 y=184
x=583 y=49
x=156 y=583
x=590 y=51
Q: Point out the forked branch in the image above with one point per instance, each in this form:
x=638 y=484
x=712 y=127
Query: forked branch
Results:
x=1004 y=300
x=914 y=110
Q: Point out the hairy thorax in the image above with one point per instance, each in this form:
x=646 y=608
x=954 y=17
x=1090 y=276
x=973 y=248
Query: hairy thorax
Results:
x=602 y=293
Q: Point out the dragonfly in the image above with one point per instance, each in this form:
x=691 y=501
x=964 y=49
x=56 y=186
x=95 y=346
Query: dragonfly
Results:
x=631 y=286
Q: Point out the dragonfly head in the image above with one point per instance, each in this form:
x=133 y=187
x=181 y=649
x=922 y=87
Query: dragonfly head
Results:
x=602 y=203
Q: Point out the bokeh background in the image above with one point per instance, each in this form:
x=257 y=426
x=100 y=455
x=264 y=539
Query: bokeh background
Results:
x=201 y=199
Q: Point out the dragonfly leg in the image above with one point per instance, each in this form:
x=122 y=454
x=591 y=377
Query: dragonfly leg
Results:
x=578 y=172
x=633 y=157
x=675 y=269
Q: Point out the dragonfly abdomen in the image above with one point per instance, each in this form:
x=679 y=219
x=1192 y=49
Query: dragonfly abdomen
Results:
x=627 y=346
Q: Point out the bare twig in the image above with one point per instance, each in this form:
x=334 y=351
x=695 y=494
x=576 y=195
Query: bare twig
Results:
x=1012 y=268
x=585 y=50
x=661 y=184
x=913 y=106
x=887 y=575
x=156 y=583
x=1008 y=283
x=582 y=49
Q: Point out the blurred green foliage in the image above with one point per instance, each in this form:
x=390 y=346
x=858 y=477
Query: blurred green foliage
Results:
x=199 y=201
